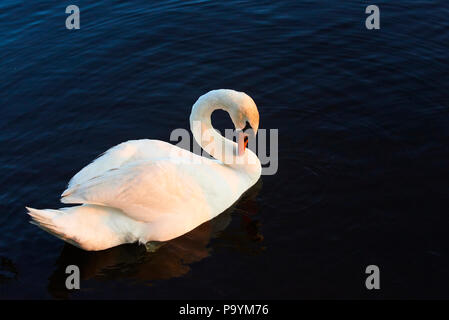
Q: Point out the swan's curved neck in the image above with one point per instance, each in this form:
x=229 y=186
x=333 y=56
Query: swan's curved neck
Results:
x=206 y=136
x=219 y=147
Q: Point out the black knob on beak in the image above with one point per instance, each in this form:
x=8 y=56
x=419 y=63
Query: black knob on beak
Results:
x=247 y=126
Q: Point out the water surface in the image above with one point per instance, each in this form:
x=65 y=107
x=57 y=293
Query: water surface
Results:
x=363 y=143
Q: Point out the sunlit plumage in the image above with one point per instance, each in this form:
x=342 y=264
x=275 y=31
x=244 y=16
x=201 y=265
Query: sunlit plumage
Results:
x=150 y=190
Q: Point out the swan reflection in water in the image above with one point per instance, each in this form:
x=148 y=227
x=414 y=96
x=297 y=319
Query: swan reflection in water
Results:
x=171 y=260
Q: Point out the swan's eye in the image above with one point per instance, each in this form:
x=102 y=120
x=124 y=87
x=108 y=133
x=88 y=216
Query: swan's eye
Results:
x=247 y=126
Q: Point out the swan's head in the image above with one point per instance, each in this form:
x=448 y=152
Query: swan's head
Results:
x=240 y=106
x=243 y=111
x=244 y=114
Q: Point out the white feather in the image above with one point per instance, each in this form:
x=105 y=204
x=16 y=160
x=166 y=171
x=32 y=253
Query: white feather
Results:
x=89 y=227
x=149 y=190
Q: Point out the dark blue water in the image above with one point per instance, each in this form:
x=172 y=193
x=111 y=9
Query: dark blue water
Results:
x=363 y=143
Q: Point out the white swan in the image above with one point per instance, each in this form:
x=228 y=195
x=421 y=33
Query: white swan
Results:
x=150 y=190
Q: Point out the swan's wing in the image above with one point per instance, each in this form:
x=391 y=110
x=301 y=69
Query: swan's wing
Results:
x=123 y=154
x=145 y=190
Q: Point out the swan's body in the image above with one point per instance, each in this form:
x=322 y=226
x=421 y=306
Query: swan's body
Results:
x=150 y=190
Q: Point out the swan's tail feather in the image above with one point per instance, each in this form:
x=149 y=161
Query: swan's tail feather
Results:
x=46 y=220
x=89 y=227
